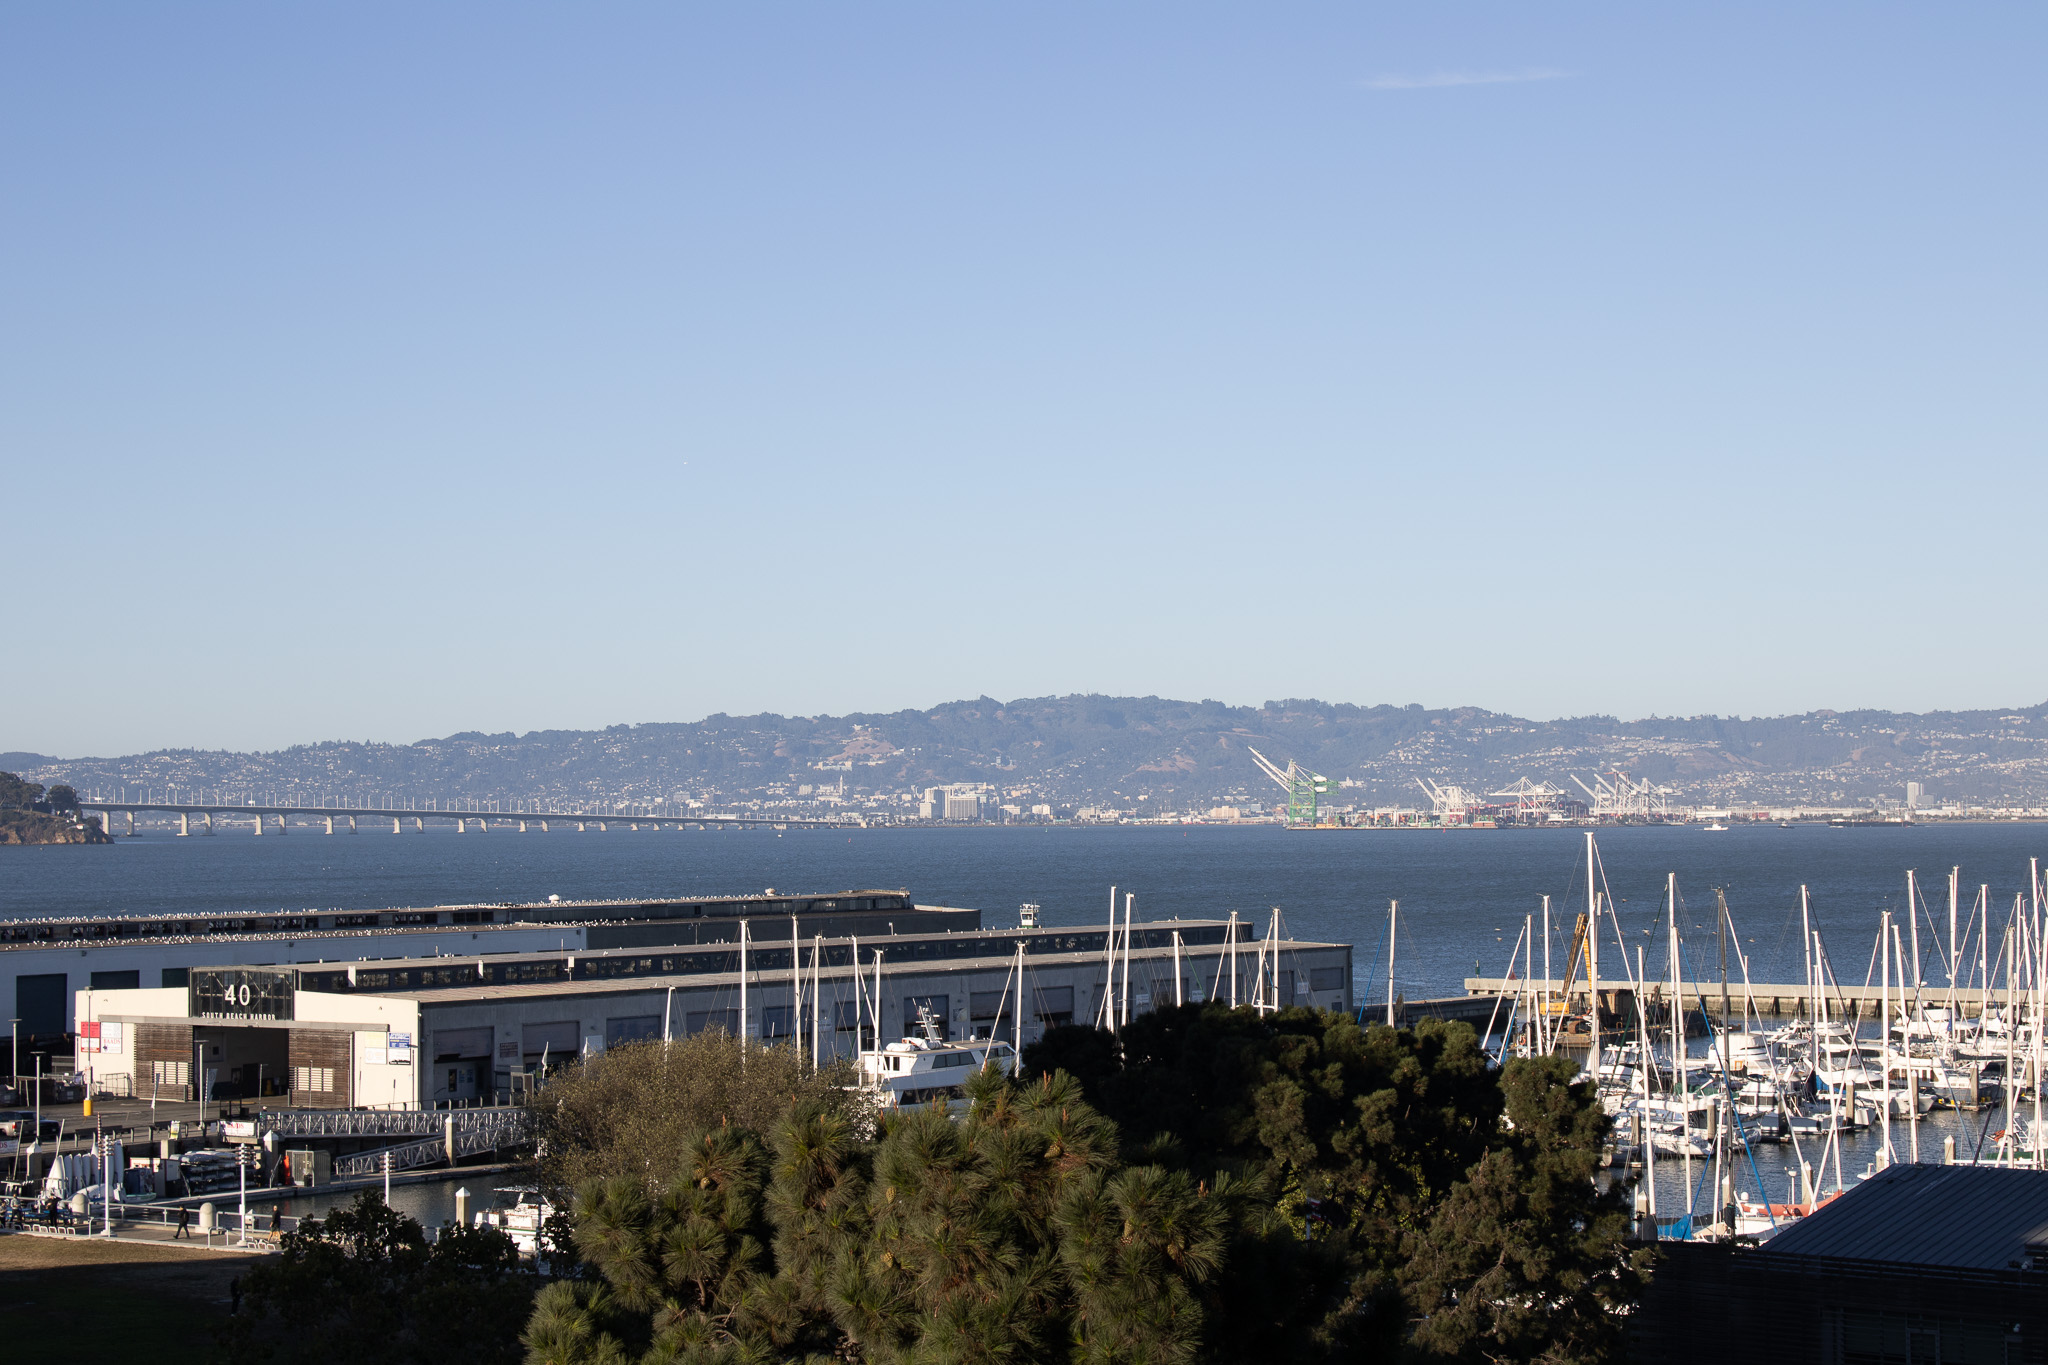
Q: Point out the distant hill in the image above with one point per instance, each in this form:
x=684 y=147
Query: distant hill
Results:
x=1083 y=750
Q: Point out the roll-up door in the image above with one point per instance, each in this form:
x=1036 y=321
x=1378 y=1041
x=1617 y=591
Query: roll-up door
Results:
x=560 y=1041
x=1053 y=1003
x=453 y=1044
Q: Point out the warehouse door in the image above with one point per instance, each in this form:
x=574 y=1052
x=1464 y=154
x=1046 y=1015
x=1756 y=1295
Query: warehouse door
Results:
x=40 y=1005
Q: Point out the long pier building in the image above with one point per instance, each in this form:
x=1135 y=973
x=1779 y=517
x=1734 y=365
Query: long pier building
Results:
x=44 y=962
x=470 y=1027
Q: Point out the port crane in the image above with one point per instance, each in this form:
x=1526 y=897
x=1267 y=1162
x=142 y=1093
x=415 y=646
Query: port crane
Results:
x=1623 y=797
x=1450 y=802
x=1531 y=800
x=1303 y=787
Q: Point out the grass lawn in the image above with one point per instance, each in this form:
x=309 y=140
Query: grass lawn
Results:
x=81 y=1299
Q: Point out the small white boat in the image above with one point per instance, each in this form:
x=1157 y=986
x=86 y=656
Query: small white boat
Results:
x=521 y=1220
x=927 y=1071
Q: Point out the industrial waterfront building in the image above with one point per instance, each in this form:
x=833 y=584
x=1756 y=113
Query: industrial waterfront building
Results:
x=45 y=962
x=479 y=1027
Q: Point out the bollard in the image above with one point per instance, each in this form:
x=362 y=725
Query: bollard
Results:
x=1948 y=1150
x=462 y=1208
x=206 y=1217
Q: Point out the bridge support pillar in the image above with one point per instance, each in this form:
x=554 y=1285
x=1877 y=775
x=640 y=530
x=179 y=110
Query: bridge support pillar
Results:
x=461 y=825
x=419 y=826
x=522 y=830
x=330 y=824
x=352 y=826
x=544 y=830
x=259 y=825
x=131 y=824
x=399 y=828
x=184 y=824
x=603 y=828
x=284 y=824
x=208 y=818
x=581 y=830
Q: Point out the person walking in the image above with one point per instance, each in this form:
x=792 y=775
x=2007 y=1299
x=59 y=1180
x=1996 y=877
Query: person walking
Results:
x=184 y=1224
x=277 y=1217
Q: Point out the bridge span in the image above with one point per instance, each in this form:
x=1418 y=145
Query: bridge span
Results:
x=275 y=819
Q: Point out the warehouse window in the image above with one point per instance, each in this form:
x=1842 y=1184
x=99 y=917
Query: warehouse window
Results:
x=638 y=1028
x=313 y=1078
x=698 y=1021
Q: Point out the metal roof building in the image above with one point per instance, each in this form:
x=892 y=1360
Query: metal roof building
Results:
x=1918 y=1264
x=466 y=1027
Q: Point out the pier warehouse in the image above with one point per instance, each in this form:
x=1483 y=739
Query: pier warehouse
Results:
x=420 y=1032
x=44 y=962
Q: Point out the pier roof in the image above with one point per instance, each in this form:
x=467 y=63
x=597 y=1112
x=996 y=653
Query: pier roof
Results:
x=1960 y=1217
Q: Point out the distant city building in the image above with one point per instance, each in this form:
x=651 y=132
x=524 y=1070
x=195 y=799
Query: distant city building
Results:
x=1916 y=796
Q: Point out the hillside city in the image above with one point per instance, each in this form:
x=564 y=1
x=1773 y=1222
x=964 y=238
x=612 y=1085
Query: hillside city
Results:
x=1103 y=759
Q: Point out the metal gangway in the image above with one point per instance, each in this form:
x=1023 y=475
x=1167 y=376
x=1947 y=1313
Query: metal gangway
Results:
x=435 y=1134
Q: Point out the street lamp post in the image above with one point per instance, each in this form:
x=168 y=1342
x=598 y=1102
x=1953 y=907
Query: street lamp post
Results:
x=242 y=1172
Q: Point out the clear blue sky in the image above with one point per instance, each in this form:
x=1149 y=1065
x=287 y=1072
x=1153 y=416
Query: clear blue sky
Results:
x=385 y=371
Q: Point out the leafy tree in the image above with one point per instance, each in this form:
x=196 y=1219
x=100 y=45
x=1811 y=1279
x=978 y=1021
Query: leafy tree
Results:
x=1284 y=1186
x=14 y=792
x=639 y=1109
x=1396 y=1159
x=63 y=800
x=1011 y=1235
x=1524 y=1260
x=364 y=1284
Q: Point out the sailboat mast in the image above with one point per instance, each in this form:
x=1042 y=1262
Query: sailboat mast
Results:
x=1649 y=1141
x=1233 y=959
x=1955 y=890
x=1126 y=991
x=1884 y=1046
x=2034 y=1132
x=1806 y=952
x=1913 y=919
x=1393 y=921
x=1530 y=1024
x=1680 y=1080
x=1105 y=1013
x=744 y=1025
x=1178 y=1000
x=1546 y=975
x=1721 y=913
x=1017 y=1019
x=1592 y=962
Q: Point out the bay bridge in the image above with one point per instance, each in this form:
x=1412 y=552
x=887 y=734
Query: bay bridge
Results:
x=275 y=818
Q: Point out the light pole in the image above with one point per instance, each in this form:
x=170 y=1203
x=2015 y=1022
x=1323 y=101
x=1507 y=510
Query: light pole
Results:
x=14 y=1037
x=242 y=1174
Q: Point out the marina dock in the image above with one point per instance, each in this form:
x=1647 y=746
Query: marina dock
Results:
x=1778 y=1000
